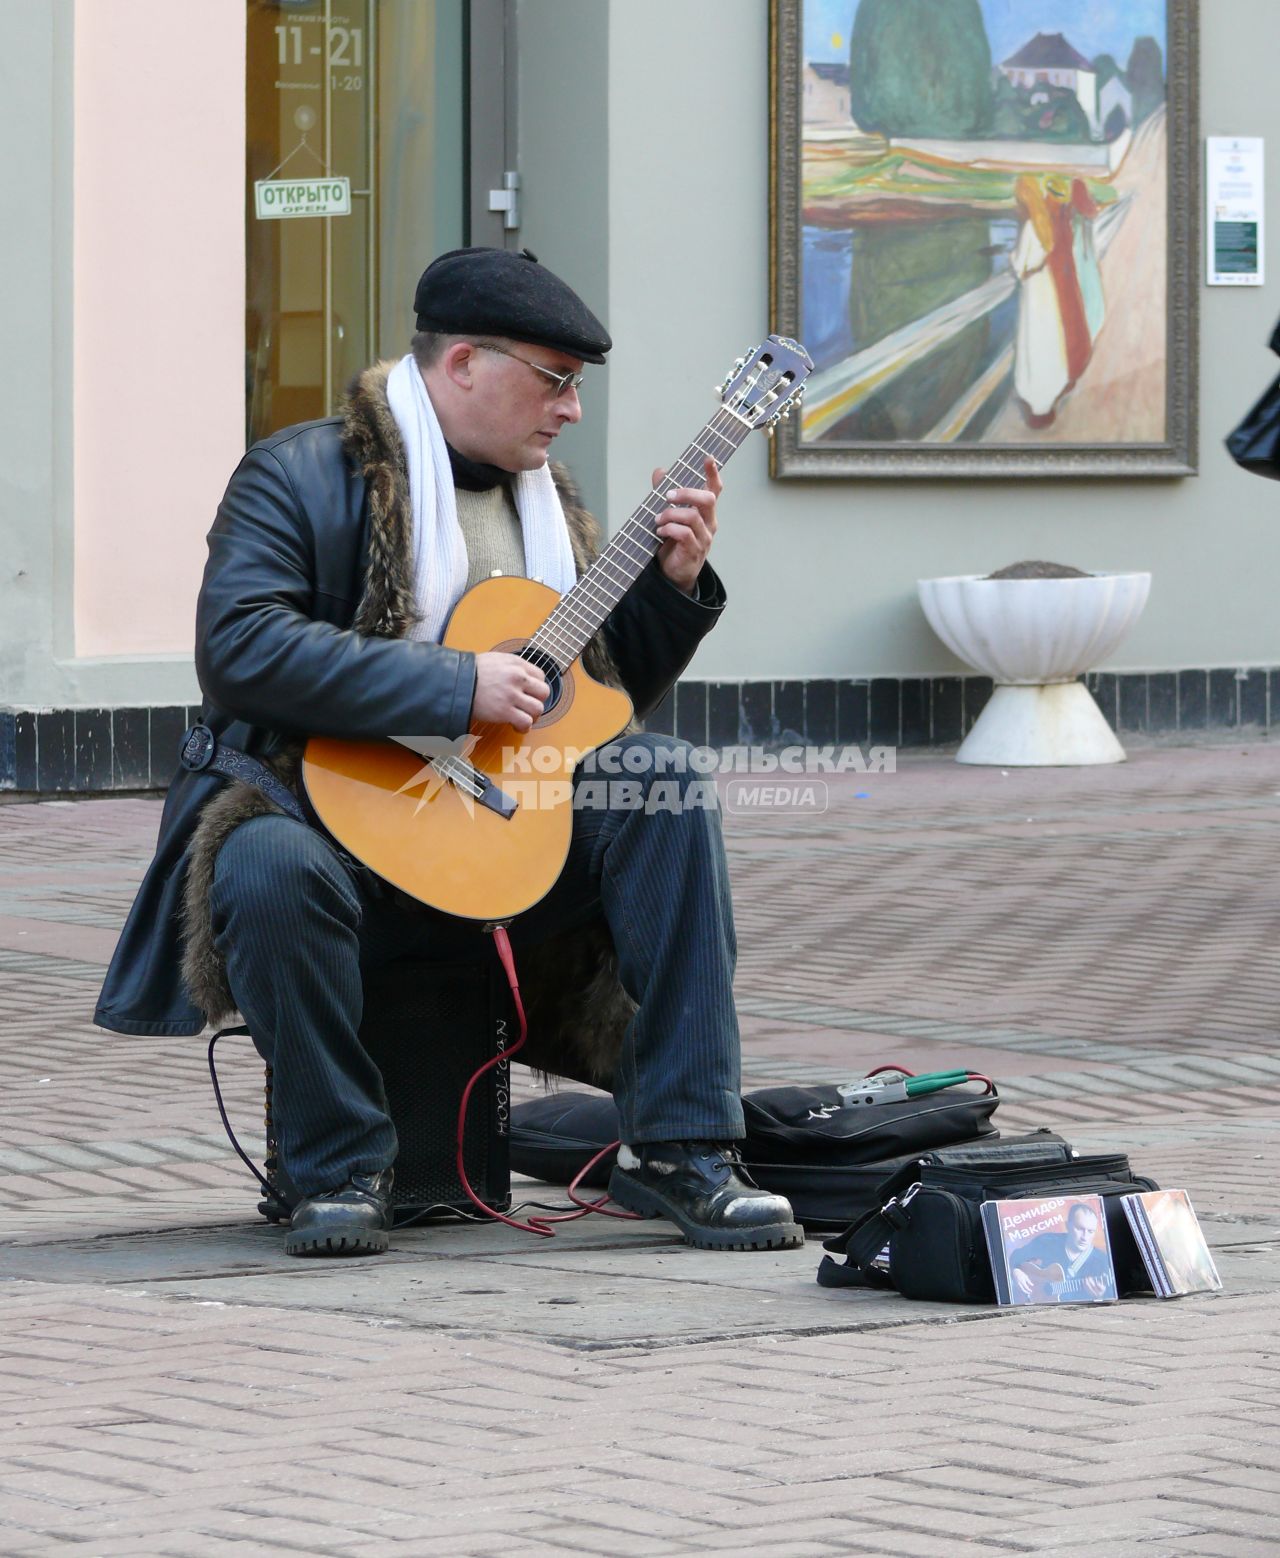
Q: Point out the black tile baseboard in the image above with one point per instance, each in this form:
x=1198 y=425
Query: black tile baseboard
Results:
x=939 y=711
x=96 y=751
x=90 y=751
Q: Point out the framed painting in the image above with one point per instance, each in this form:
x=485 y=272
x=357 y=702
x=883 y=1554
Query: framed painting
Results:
x=985 y=229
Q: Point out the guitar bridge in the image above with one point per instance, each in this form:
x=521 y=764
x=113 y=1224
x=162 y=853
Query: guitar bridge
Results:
x=477 y=785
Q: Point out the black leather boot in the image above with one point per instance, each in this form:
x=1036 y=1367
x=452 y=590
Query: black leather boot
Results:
x=703 y=1188
x=352 y=1220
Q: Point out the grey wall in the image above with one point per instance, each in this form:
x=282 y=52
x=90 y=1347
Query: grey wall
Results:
x=563 y=113
x=646 y=186
x=27 y=455
x=821 y=574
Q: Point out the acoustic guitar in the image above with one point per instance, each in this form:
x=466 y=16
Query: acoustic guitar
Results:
x=480 y=828
x=1051 y=1283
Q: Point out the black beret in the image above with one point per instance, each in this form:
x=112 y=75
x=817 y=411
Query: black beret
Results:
x=499 y=292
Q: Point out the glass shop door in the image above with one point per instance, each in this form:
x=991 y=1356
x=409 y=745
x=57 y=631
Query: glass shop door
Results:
x=357 y=174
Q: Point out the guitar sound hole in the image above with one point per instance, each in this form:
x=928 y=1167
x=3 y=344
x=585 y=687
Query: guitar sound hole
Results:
x=550 y=670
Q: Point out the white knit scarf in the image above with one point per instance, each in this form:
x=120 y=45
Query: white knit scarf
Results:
x=439 y=552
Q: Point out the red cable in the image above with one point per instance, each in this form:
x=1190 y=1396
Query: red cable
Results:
x=594 y=1206
x=536 y=1225
x=539 y=1225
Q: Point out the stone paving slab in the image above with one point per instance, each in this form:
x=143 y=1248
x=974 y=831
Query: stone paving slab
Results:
x=1100 y=941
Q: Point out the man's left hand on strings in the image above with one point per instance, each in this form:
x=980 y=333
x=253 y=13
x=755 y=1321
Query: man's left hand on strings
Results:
x=687 y=528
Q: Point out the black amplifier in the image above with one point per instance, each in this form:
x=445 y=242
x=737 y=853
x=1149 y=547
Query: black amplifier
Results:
x=429 y=1027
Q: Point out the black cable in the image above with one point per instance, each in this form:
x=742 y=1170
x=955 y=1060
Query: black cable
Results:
x=222 y=1110
x=273 y=1191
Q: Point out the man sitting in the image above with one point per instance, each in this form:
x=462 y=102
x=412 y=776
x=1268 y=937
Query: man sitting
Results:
x=337 y=554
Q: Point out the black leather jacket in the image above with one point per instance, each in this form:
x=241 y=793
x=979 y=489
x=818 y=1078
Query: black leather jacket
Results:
x=277 y=659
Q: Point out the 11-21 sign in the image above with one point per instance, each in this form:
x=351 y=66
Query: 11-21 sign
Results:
x=346 y=45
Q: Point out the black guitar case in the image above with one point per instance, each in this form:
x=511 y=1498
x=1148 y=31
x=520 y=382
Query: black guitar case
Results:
x=802 y=1142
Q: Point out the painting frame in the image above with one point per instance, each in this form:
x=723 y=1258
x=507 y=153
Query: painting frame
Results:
x=1177 y=455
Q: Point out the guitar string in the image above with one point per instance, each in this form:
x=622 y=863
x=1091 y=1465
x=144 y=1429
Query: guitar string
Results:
x=579 y=616
x=568 y=613
x=628 y=537
x=563 y=647
x=626 y=534
x=566 y=651
x=572 y=624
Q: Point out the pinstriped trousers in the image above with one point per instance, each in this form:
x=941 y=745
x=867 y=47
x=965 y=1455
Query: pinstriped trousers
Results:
x=299 y=924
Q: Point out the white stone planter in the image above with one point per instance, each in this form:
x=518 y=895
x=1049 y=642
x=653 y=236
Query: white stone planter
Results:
x=1034 y=638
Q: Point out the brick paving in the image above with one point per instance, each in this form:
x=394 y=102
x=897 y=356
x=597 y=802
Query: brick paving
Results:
x=1099 y=941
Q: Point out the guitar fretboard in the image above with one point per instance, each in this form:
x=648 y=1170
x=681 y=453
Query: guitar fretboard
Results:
x=581 y=612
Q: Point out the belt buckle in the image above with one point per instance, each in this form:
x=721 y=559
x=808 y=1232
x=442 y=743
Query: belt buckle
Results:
x=198 y=748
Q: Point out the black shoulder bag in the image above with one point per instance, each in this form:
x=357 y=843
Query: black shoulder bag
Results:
x=930 y=1219
x=1255 y=444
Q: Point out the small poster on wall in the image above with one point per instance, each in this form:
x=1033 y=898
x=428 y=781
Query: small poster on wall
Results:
x=1233 y=184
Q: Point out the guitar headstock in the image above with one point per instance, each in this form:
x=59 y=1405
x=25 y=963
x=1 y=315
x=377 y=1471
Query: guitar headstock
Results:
x=767 y=385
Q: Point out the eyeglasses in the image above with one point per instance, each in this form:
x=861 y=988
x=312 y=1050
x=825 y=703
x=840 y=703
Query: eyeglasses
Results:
x=563 y=381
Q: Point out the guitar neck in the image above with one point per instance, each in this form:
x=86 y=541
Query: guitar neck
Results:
x=582 y=611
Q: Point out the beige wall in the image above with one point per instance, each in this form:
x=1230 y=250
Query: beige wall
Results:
x=822 y=574
x=158 y=310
